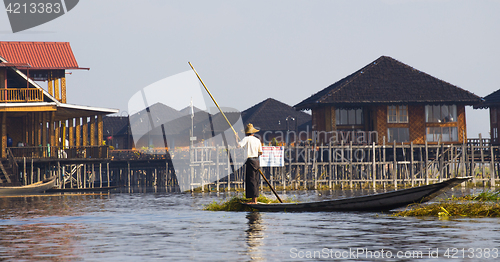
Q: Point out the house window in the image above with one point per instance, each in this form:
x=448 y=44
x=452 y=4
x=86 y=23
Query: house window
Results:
x=495 y=134
x=493 y=115
x=398 y=135
x=440 y=113
x=348 y=117
x=445 y=134
x=397 y=114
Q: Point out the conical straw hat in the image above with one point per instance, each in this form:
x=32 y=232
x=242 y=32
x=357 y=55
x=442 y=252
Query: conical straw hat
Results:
x=249 y=129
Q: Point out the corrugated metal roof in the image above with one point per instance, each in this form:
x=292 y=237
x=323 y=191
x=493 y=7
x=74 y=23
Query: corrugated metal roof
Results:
x=40 y=55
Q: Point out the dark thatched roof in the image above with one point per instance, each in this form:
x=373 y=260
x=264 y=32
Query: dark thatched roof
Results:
x=387 y=80
x=158 y=113
x=492 y=99
x=115 y=125
x=270 y=115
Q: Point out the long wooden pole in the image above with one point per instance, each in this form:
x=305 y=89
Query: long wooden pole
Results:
x=213 y=99
x=235 y=133
x=269 y=184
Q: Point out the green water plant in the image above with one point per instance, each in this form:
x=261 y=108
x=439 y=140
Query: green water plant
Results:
x=487 y=195
x=452 y=209
x=235 y=204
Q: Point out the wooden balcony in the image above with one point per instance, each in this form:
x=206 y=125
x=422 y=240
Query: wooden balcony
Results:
x=21 y=95
x=54 y=152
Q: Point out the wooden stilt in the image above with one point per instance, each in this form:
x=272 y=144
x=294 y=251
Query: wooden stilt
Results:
x=395 y=167
x=492 y=166
x=107 y=172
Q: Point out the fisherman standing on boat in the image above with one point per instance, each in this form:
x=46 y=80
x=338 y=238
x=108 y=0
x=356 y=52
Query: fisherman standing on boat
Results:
x=253 y=149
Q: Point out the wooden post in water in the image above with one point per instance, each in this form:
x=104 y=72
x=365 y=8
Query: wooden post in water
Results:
x=472 y=165
x=61 y=176
x=32 y=171
x=229 y=172
x=441 y=164
x=306 y=166
x=167 y=175
x=350 y=165
x=426 y=163
x=93 y=177
x=271 y=176
x=374 y=169
x=84 y=176
x=481 y=150
x=283 y=181
x=217 y=166
x=412 y=169
x=78 y=174
x=452 y=161
x=100 y=174
x=421 y=165
x=64 y=173
x=385 y=165
x=330 y=171
x=395 y=167
x=492 y=166
x=25 y=179
x=464 y=164
x=71 y=176
x=155 y=182
x=314 y=164
x=107 y=172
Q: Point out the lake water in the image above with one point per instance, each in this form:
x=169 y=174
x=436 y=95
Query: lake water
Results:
x=173 y=227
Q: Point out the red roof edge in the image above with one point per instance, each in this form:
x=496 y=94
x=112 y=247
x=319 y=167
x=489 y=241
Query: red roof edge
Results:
x=40 y=55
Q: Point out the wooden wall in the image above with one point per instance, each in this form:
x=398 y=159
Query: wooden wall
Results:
x=381 y=123
x=323 y=119
x=462 y=126
x=416 y=123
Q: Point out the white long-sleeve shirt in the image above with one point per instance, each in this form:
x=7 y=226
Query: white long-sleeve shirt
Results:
x=252 y=146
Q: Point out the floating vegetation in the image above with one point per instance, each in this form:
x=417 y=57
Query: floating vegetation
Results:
x=484 y=196
x=235 y=204
x=453 y=209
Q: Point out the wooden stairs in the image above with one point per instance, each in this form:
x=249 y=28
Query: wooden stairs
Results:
x=7 y=177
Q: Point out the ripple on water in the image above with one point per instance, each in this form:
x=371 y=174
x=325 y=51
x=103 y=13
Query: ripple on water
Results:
x=149 y=226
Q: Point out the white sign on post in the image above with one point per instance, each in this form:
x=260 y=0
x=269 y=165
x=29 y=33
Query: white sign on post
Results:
x=272 y=156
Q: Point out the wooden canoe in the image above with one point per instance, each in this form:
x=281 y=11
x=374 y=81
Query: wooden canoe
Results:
x=376 y=202
x=28 y=189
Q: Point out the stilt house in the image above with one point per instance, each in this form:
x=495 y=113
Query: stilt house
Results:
x=37 y=122
x=392 y=102
x=278 y=120
x=492 y=101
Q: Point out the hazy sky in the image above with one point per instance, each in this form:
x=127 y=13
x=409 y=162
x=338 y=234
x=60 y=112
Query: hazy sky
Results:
x=247 y=51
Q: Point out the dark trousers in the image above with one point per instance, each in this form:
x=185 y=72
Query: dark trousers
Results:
x=252 y=179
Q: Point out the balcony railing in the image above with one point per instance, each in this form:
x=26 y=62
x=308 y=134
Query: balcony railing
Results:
x=98 y=152
x=21 y=95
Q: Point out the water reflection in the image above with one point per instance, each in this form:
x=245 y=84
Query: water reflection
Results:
x=255 y=235
x=40 y=242
x=173 y=227
x=43 y=227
